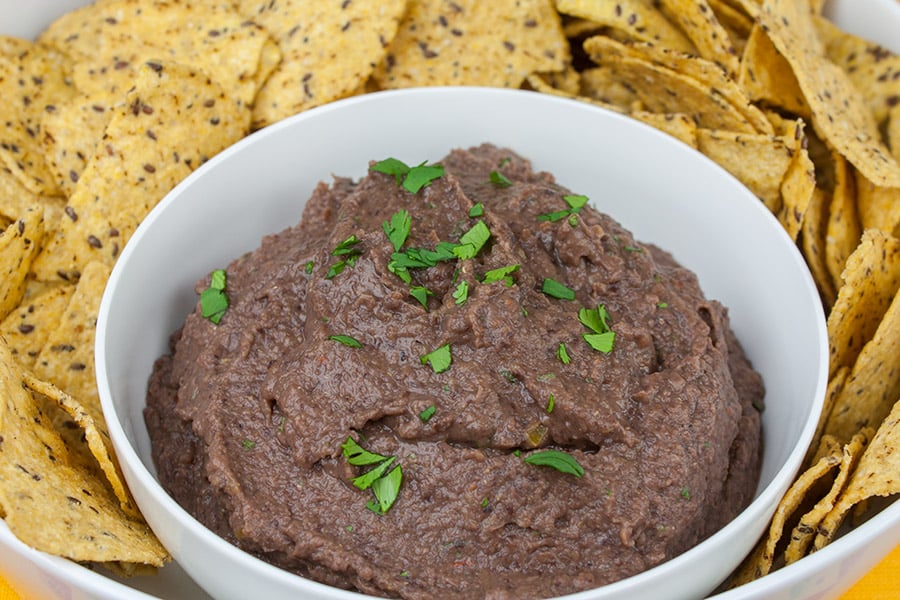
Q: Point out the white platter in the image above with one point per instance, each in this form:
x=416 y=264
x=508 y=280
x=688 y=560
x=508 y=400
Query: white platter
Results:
x=827 y=574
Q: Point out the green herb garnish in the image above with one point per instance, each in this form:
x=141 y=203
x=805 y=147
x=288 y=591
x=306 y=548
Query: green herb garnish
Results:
x=461 y=293
x=309 y=267
x=346 y=340
x=503 y=274
x=551 y=403
x=421 y=293
x=472 y=241
x=562 y=354
x=500 y=180
x=555 y=289
x=357 y=456
x=575 y=201
x=477 y=210
x=214 y=300
x=397 y=229
x=366 y=480
x=426 y=414
x=562 y=462
x=248 y=444
x=439 y=358
x=348 y=250
x=412 y=179
x=595 y=319
x=386 y=490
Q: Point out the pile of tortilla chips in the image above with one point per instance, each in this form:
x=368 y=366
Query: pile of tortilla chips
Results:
x=117 y=102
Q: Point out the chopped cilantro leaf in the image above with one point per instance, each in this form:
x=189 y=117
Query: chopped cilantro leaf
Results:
x=214 y=300
x=248 y=444
x=357 y=455
x=440 y=358
x=503 y=274
x=555 y=289
x=575 y=201
x=461 y=293
x=562 y=462
x=594 y=319
x=366 y=480
x=310 y=265
x=554 y=216
x=477 y=210
x=346 y=248
x=397 y=229
x=562 y=354
x=602 y=342
x=392 y=166
x=335 y=269
x=421 y=294
x=426 y=414
x=421 y=176
x=500 y=180
x=472 y=241
x=551 y=403
x=386 y=489
x=346 y=340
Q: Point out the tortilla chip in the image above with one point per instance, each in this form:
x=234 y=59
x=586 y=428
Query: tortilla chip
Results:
x=712 y=41
x=667 y=82
x=873 y=69
x=893 y=132
x=876 y=475
x=33 y=79
x=839 y=112
x=600 y=83
x=872 y=386
x=765 y=76
x=798 y=184
x=870 y=280
x=759 y=161
x=832 y=391
x=329 y=49
x=71 y=134
x=19 y=244
x=98 y=442
x=759 y=562
x=844 y=232
x=804 y=532
x=878 y=206
x=27 y=328
x=474 y=43
x=51 y=504
x=110 y=41
x=812 y=244
x=639 y=19
x=678 y=125
x=174 y=120
x=15 y=199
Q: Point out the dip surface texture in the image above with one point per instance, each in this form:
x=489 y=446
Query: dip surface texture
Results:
x=247 y=417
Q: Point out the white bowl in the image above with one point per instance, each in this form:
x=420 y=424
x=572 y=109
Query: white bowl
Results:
x=662 y=190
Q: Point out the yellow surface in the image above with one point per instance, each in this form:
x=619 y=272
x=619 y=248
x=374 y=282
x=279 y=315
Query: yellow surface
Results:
x=882 y=583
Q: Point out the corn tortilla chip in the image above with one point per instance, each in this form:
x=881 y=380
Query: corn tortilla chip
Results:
x=706 y=74
x=712 y=41
x=15 y=199
x=873 y=69
x=112 y=39
x=878 y=206
x=870 y=280
x=804 y=532
x=812 y=244
x=474 y=43
x=843 y=232
x=640 y=19
x=799 y=183
x=765 y=76
x=759 y=562
x=19 y=244
x=27 y=327
x=872 y=386
x=876 y=475
x=71 y=134
x=821 y=442
x=839 y=111
x=33 y=80
x=98 y=443
x=329 y=49
x=893 y=132
x=174 y=120
x=760 y=162
x=50 y=504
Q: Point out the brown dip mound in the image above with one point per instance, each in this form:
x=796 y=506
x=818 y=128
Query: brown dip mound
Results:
x=247 y=417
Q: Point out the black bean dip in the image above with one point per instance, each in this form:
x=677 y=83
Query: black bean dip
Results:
x=248 y=416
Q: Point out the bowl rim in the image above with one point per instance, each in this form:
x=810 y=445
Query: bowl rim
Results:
x=761 y=503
